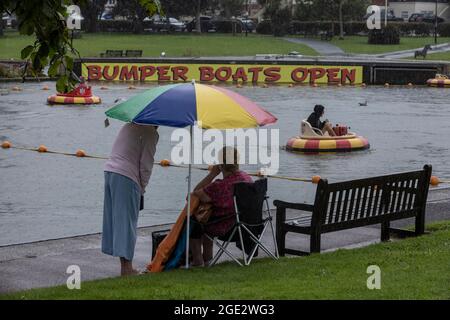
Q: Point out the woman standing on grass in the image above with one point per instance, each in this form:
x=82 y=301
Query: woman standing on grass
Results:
x=127 y=173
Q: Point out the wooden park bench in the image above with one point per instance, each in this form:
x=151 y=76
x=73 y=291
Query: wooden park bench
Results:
x=326 y=35
x=112 y=53
x=133 y=53
x=121 y=53
x=357 y=203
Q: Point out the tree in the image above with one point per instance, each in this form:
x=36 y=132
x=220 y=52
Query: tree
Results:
x=91 y=10
x=46 y=21
x=133 y=10
x=231 y=7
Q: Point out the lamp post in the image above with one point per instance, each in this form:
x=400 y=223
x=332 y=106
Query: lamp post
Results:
x=435 y=21
x=385 y=12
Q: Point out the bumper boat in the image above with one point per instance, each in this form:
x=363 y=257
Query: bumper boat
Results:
x=80 y=95
x=440 y=81
x=312 y=140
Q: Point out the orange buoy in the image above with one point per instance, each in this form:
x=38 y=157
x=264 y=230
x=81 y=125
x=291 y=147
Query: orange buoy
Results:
x=410 y=84
x=16 y=88
x=42 y=148
x=290 y=85
x=315 y=179
x=314 y=85
x=45 y=88
x=131 y=87
x=80 y=153
x=6 y=145
x=386 y=84
x=339 y=84
x=103 y=88
x=434 y=181
x=164 y=162
x=265 y=85
x=363 y=84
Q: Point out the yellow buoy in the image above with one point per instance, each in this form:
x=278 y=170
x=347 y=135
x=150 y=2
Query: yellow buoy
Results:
x=6 y=145
x=434 y=181
x=42 y=148
x=164 y=162
x=315 y=179
x=80 y=153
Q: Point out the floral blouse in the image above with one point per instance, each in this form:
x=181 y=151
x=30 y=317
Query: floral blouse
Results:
x=221 y=193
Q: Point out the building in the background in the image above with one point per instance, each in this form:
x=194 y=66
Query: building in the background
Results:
x=404 y=8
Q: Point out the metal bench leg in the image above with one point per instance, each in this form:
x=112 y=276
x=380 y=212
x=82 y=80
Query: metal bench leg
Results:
x=385 y=230
x=315 y=242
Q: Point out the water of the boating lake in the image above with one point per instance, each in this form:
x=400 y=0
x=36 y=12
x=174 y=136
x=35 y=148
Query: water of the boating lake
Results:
x=45 y=196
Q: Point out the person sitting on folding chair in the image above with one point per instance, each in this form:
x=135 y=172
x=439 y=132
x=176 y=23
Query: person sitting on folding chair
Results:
x=220 y=194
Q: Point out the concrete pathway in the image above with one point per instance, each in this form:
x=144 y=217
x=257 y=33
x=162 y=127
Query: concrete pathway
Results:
x=324 y=48
x=44 y=263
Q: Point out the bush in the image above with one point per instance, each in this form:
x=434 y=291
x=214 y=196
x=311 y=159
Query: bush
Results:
x=387 y=35
x=264 y=27
x=281 y=19
x=121 y=25
x=444 y=29
x=226 y=26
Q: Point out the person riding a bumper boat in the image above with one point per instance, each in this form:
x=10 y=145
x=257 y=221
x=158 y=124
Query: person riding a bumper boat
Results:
x=320 y=136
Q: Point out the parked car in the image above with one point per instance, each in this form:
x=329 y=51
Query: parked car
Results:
x=206 y=25
x=107 y=16
x=390 y=16
x=248 y=24
x=422 y=17
x=167 y=24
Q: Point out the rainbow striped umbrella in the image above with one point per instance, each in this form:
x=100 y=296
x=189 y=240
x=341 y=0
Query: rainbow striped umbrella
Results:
x=189 y=104
x=186 y=104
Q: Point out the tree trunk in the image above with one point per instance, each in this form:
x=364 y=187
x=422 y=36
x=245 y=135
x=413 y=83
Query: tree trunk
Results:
x=341 y=20
x=198 y=25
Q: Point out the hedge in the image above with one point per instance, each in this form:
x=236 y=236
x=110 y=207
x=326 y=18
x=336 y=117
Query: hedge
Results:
x=312 y=28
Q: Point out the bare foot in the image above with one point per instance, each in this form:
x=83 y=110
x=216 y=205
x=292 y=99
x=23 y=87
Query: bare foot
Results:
x=131 y=272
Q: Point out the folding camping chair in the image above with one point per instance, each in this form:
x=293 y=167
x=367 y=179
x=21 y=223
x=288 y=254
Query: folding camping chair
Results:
x=252 y=220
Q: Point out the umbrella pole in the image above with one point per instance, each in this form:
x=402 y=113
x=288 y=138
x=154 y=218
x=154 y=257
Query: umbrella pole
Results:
x=188 y=215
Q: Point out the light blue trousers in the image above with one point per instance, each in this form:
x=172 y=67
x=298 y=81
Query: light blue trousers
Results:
x=120 y=215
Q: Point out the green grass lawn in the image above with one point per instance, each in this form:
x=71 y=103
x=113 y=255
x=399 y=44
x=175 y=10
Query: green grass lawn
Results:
x=358 y=44
x=439 y=56
x=90 y=45
x=414 y=268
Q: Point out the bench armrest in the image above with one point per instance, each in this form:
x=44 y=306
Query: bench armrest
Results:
x=296 y=206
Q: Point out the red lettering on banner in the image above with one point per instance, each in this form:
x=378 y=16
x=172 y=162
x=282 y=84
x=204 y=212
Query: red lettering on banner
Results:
x=255 y=72
x=94 y=72
x=179 y=72
x=295 y=77
x=225 y=77
x=146 y=71
x=316 y=73
x=272 y=74
x=206 y=73
x=332 y=74
x=348 y=75
x=114 y=74
x=162 y=73
x=129 y=75
x=240 y=74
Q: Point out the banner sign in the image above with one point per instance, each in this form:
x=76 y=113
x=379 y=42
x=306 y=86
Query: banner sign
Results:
x=222 y=73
